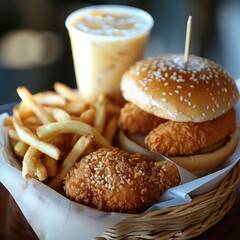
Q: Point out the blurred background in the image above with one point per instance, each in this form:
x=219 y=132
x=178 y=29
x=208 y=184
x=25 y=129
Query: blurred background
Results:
x=35 y=48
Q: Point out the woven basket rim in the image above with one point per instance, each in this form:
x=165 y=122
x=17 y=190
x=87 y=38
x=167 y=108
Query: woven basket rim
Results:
x=226 y=185
x=184 y=221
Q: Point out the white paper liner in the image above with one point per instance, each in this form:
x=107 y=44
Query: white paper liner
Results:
x=52 y=216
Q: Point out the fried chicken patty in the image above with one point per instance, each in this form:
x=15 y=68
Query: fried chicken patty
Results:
x=186 y=138
x=114 y=180
x=135 y=120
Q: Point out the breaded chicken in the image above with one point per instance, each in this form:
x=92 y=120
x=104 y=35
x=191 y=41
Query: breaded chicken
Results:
x=185 y=138
x=135 y=120
x=114 y=180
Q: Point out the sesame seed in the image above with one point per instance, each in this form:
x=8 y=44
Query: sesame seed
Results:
x=122 y=182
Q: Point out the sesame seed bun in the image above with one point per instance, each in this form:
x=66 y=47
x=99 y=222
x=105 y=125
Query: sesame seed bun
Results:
x=199 y=95
x=168 y=88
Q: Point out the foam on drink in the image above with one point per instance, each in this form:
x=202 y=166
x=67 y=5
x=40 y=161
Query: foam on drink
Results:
x=110 y=24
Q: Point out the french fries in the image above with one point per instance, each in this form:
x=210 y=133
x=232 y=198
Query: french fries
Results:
x=99 y=121
x=32 y=165
x=71 y=126
x=110 y=129
x=29 y=138
x=66 y=92
x=58 y=114
x=50 y=131
x=50 y=98
x=76 y=152
x=20 y=148
x=88 y=116
x=51 y=165
x=75 y=108
x=28 y=99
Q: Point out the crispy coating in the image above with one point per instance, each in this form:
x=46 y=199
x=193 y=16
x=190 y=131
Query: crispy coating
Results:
x=114 y=180
x=186 y=138
x=135 y=120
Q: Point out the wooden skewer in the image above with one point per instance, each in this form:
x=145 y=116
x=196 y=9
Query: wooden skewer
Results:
x=188 y=39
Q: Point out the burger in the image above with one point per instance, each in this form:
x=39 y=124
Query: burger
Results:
x=182 y=111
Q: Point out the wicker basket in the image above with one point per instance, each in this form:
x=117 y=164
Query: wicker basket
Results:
x=181 y=222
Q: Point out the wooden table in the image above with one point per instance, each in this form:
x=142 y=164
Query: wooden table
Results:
x=13 y=225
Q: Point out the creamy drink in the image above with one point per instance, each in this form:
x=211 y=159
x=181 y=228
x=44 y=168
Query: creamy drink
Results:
x=105 y=41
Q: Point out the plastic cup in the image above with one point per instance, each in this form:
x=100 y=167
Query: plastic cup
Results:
x=100 y=59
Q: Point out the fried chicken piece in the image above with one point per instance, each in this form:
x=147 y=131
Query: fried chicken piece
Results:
x=186 y=138
x=135 y=120
x=114 y=180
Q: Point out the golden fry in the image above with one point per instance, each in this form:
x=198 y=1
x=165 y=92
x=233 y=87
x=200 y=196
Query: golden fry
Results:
x=71 y=126
x=29 y=138
x=20 y=148
x=110 y=129
x=88 y=116
x=113 y=109
x=58 y=114
x=32 y=165
x=100 y=116
x=51 y=165
x=71 y=158
x=28 y=99
x=7 y=122
x=25 y=112
x=75 y=108
x=13 y=134
x=49 y=98
x=66 y=92
x=57 y=141
x=13 y=142
x=31 y=121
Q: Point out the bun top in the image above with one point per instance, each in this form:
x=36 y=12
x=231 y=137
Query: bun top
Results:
x=165 y=86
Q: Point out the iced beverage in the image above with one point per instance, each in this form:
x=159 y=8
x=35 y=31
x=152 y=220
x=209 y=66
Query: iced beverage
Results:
x=106 y=40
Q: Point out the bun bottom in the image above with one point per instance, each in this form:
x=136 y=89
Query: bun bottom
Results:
x=199 y=164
